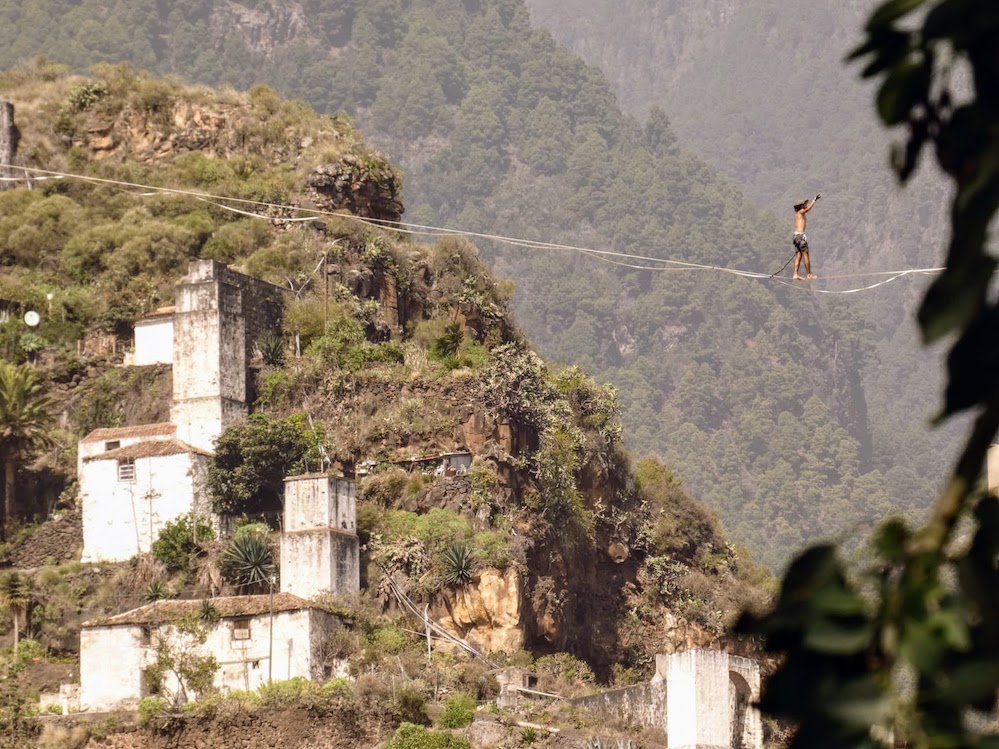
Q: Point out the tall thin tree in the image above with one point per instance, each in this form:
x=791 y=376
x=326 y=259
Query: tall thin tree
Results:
x=15 y=594
x=26 y=411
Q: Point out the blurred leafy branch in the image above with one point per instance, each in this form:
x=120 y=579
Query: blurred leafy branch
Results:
x=905 y=651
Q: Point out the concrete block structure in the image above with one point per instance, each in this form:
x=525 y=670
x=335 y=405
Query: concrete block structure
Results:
x=256 y=639
x=319 y=546
x=709 y=700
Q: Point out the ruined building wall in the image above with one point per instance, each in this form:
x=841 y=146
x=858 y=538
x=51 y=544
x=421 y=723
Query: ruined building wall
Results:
x=219 y=317
x=319 y=546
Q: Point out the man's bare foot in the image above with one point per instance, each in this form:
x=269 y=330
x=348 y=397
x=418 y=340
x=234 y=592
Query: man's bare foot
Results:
x=797 y=278
x=809 y=277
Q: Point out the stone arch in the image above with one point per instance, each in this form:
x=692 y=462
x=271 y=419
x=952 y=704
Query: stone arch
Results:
x=740 y=695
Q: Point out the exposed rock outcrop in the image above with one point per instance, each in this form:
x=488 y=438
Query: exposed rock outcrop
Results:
x=487 y=611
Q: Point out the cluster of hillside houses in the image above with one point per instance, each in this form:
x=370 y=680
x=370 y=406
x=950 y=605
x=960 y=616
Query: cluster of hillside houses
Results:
x=134 y=480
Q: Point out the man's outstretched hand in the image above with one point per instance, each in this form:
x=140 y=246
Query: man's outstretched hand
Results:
x=817 y=197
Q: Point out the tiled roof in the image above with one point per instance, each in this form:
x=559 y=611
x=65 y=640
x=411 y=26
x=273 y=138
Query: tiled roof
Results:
x=229 y=607
x=151 y=449
x=142 y=430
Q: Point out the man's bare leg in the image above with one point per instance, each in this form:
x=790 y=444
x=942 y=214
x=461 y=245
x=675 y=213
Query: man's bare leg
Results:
x=797 y=262
x=808 y=266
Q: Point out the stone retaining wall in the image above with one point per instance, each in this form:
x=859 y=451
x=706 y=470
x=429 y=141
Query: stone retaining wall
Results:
x=59 y=539
x=638 y=705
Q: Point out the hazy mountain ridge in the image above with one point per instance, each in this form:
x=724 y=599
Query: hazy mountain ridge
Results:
x=761 y=90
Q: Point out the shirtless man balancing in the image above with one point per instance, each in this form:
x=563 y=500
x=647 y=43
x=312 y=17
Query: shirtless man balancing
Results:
x=800 y=240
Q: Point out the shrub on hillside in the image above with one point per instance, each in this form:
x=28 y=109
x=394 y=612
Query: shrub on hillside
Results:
x=177 y=544
x=252 y=458
x=409 y=736
x=458 y=712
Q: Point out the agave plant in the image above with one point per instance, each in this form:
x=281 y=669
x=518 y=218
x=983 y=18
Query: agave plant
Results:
x=272 y=350
x=458 y=564
x=247 y=563
x=207 y=613
x=157 y=591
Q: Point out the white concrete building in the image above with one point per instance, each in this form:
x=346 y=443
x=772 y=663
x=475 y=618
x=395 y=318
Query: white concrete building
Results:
x=133 y=481
x=153 y=339
x=319 y=545
x=251 y=644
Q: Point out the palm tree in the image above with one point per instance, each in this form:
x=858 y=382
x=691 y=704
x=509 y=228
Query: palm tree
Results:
x=26 y=410
x=16 y=595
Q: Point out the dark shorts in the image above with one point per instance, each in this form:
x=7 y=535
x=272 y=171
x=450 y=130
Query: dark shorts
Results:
x=800 y=242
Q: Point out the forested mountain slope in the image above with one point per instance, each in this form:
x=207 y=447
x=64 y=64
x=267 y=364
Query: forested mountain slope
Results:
x=760 y=89
x=753 y=392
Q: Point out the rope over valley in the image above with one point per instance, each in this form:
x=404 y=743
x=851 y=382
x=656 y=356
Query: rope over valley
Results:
x=627 y=260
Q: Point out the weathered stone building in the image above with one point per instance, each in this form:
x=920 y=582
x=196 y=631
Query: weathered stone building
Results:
x=319 y=545
x=219 y=317
x=256 y=639
x=129 y=493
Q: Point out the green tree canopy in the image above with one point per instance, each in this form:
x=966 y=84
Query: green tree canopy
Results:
x=26 y=411
x=246 y=474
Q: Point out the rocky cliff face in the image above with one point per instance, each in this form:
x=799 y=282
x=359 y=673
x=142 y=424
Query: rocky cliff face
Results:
x=159 y=124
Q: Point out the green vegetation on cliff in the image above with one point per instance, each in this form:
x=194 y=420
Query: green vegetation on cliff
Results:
x=408 y=351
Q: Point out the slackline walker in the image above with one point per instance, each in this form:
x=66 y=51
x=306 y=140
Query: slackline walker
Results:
x=638 y=262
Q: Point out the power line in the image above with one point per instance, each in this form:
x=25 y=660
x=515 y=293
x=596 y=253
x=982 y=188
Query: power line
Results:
x=628 y=260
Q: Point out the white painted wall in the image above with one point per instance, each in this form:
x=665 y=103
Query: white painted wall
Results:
x=123 y=518
x=320 y=501
x=992 y=464
x=111 y=663
x=153 y=341
x=209 y=358
x=112 y=657
x=319 y=546
x=319 y=560
x=701 y=698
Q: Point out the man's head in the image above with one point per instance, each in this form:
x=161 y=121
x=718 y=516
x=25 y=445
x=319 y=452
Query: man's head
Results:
x=798 y=206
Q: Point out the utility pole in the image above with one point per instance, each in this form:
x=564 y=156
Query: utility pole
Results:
x=9 y=136
x=270 y=644
x=326 y=290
